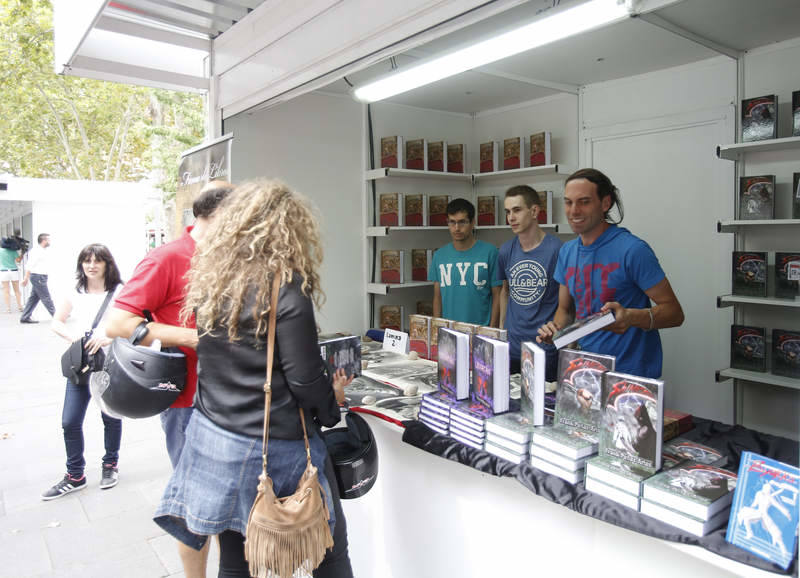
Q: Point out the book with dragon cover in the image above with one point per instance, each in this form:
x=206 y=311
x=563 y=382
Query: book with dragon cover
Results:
x=749 y=270
x=759 y=118
x=633 y=416
x=578 y=397
x=757 y=197
x=786 y=353
x=748 y=348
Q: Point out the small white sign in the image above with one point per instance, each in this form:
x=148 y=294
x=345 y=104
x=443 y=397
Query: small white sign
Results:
x=396 y=341
x=793 y=271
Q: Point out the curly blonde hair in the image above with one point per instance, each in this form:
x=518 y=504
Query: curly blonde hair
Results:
x=261 y=230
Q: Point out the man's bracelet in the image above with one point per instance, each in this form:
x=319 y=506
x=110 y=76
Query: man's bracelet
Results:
x=652 y=320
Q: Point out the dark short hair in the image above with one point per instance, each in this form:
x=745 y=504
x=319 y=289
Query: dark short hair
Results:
x=461 y=206
x=528 y=193
x=42 y=237
x=101 y=253
x=211 y=195
x=605 y=188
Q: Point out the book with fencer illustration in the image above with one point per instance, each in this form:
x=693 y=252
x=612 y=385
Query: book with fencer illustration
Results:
x=437 y=156
x=582 y=327
x=759 y=118
x=757 y=197
x=578 y=393
x=749 y=273
x=748 y=348
x=453 y=363
x=392 y=152
x=415 y=210
x=341 y=351
x=766 y=509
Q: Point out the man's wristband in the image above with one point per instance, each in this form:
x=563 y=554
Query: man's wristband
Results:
x=652 y=320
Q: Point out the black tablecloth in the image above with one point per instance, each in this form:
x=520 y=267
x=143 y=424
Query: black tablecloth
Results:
x=732 y=440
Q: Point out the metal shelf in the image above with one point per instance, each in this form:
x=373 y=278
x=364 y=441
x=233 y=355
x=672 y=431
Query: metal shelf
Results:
x=386 y=172
x=550 y=227
x=384 y=231
x=758 y=377
x=385 y=288
x=728 y=300
x=733 y=152
x=732 y=225
x=533 y=172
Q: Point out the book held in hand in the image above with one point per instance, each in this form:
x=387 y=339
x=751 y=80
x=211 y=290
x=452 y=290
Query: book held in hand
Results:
x=539 y=149
x=760 y=118
x=750 y=273
x=490 y=364
x=453 y=368
x=341 y=351
x=393 y=266
x=437 y=156
x=513 y=151
x=787 y=275
x=786 y=353
x=489 y=157
x=420 y=261
x=455 y=158
x=748 y=348
x=757 y=197
x=764 y=514
x=392 y=152
x=417 y=154
x=390 y=214
x=532 y=368
x=582 y=327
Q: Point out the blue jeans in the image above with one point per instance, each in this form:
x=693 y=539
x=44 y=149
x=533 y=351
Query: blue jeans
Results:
x=76 y=400
x=174 y=421
x=39 y=292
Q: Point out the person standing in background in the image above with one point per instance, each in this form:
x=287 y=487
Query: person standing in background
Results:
x=9 y=269
x=36 y=272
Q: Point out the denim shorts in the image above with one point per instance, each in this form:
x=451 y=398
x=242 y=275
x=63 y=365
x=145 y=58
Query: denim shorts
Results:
x=215 y=482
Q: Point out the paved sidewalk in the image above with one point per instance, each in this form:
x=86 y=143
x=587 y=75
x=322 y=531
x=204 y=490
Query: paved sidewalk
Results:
x=90 y=533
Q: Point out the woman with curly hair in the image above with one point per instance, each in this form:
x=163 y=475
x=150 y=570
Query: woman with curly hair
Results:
x=262 y=230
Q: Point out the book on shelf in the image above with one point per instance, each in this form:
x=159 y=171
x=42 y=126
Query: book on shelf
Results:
x=787 y=275
x=757 y=197
x=545 y=215
x=559 y=459
x=691 y=488
x=425 y=308
x=764 y=513
x=504 y=452
x=490 y=364
x=749 y=273
x=748 y=348
x=582 y=327
x=420 y=262
x=573 y=477
x=390 y=214
x=580 y=377
x=489 y=157
x=795 y=195
x=437 y=210
x=453 y=360
x=488 y=210
x=391 y=317
x=436 y=324
x=456 y=154
x=341 y=351
x=796 y=113
x=437 y=156
x=513 y=153
x=633 y=410
x=618 y=473
x=532 y=369
x=415 y=210
x=539 y=149
x=392 y=152
x=612 y=493
x=676 y=423
x=683 y=449
x=786 y=353
x=688 y=524
x=570 y=442
x=393 y=266
x=417 y=154
x=493 y=332
x=759 y=118
x=419 y=334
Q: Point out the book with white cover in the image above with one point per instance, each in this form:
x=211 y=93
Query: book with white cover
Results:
x=557 y=459
x=512 y=446
x=504 y=453
x=612 y=493
x=686 y=523
x=532 y=368
x=547 y=467
x=582 y=328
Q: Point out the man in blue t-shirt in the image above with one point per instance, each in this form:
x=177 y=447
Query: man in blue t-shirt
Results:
x=525 y=265
x=465 y=284
x=607 y=268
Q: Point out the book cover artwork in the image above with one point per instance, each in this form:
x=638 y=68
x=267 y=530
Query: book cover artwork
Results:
x=748 y=348
x=392 y=266
x=580 y=378
x=545 y=215
x=787 y=275
x=436 y=324
x=420 y=261
x=391 y=317
x=695 y=489
x=512 y=153
x=532 y=369
x=795 y=195
x=416 y=154
x=487 y=211
x=540 y=149
x=759 y=118
x=750 y=273
x=765 y=509
x=632 y=418
x=341 y=351
x=488 y=157
x=683 y=449
x=438 y=210
x=796 y=113
x=455 y=158
x=392 y=152
x=419 y=334
x=490 y=373
x=437 y=156
x=390 y=215
x=757 y=197
x=786 y=353
x=453 y=371
x=414 y=210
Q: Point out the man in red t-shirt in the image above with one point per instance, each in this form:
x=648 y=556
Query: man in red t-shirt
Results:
x=158 y=285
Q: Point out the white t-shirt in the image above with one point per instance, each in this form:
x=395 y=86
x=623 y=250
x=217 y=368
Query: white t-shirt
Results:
x=85 y=307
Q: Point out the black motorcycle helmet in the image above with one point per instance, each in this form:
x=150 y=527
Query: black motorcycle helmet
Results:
x=354 y=454
x=138 y=381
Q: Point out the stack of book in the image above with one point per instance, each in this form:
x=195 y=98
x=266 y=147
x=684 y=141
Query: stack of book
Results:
x=682 y=449
x=630 y=438
x=508 y=435
x=434 y=411
x=468 y=423
x=691 y=496
x=563 y=448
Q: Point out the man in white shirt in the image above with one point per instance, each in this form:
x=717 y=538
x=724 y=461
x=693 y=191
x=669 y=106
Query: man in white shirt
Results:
x=36 y=272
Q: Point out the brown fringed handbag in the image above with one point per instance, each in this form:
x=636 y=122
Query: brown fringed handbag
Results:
x=291 y=533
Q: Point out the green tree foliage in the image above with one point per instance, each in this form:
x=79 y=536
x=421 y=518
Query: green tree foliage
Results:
x=67 y=127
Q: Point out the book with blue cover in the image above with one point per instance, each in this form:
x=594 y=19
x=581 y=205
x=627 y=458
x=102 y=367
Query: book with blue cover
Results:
x=490 y=386
x=765 y=510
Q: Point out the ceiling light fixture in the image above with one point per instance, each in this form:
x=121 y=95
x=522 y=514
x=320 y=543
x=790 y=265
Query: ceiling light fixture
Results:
x=587 y=16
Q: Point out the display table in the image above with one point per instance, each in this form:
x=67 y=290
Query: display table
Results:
x=468 y=515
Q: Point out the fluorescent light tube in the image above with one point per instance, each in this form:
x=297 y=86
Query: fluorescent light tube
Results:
x=593 y=14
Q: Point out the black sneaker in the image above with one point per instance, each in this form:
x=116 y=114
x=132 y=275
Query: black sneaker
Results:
x=64 y=487
x=110 y=476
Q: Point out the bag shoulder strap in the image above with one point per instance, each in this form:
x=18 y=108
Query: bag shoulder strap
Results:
x=99 y=316
x=273 y=314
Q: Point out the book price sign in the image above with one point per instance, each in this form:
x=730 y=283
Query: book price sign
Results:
x=793 y=271
x=395 y=341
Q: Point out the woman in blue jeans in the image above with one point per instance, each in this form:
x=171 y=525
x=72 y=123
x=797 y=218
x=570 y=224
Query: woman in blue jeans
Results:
x=97 y=275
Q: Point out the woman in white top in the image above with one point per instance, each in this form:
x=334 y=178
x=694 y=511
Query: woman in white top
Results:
x=97 y=274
